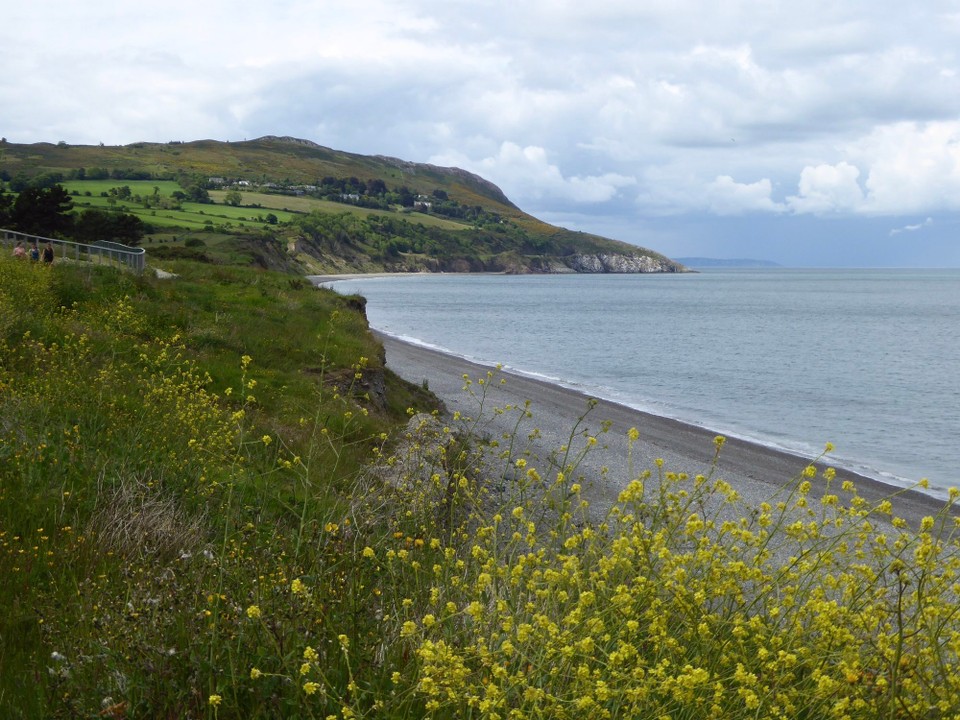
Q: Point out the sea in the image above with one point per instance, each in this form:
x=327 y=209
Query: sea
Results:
x=866 y=359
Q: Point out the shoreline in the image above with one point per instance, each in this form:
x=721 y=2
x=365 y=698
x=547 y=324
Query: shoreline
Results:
x=326 y=280
x=756 y=471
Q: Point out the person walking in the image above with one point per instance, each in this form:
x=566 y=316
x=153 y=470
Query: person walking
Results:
x=48 y=252
x=19 y=251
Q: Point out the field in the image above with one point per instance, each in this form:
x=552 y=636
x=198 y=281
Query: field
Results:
x=307 y=204
x=190 y=216
x=250 y=214
x=166 y=188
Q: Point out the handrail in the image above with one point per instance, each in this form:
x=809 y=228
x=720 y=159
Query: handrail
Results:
x=132 y=257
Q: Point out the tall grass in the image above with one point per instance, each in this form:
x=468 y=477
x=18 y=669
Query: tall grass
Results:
x=208 y=510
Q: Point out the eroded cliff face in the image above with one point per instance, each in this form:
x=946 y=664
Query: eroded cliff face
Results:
x=603 y=263
x=509 y=263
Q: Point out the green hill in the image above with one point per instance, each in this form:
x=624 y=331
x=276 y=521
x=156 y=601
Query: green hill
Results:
x=291 y=204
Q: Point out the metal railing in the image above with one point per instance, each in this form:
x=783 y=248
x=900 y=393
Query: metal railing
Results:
x=101 y=251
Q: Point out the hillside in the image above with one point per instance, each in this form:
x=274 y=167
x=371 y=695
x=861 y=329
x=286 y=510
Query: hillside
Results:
x=286 y=203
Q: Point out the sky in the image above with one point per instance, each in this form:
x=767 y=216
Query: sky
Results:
x=823 y=133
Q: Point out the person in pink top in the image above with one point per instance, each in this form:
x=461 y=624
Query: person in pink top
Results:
x=19 y=251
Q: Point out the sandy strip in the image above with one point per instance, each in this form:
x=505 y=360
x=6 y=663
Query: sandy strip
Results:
x=754 y=470
x=326 y=280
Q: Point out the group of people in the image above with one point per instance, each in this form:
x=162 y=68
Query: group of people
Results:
x=35 y=253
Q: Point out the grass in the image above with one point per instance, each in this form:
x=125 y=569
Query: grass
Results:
x=252 y=214
x=212 y=505
x=190 y=215
x=307 y=205
x=134 y=422
x=166 y=188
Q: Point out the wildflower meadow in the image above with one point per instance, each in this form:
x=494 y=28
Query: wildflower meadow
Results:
x=215 y=502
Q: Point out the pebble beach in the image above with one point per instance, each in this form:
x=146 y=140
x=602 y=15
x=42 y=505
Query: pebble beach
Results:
x=757 y=472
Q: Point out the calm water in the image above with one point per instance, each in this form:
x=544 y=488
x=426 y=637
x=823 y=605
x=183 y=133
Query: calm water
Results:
x=867 y=359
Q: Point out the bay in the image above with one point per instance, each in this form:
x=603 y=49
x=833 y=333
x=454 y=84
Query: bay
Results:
x=866 y=359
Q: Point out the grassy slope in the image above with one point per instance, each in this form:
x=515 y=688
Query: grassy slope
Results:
x=259 y=160
x=132 y=433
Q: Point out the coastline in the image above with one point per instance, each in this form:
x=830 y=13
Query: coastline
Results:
x=755 y=471
x=325 y=280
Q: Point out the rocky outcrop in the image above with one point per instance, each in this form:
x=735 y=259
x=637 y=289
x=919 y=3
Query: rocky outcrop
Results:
x=610 y=263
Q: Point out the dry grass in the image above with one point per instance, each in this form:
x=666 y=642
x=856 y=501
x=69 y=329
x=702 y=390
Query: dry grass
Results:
x=136 y=519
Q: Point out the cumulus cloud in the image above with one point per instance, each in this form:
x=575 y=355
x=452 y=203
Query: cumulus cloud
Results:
x=896 y=169
x=526 y=172
x=909 y=168
x=826 y=189
x=726 y=196
x=914 y=167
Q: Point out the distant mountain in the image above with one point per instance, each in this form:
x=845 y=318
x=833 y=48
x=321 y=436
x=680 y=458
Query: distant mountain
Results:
x=702 y=262
x=341 y=212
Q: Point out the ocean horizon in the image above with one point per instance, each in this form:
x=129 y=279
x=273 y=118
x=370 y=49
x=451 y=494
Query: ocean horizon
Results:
x=866 y=359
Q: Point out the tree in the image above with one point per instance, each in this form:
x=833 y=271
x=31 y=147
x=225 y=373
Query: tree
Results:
x=233 y=198
x=405 y=196
x=47 y=180
x=19 y=182
x=43 y=211
x=6 y=209
x=93 y=225
x=197 y=194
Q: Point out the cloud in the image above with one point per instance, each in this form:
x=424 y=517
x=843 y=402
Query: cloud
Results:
x=911 y=228
x=827 y=189
x=615 y=111
x=526 y=172
x=914 y=167
x=909 y=168
x=725 y=196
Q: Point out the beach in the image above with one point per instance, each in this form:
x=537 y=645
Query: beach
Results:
x=754 y=470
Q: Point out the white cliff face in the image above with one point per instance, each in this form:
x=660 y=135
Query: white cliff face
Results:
x=603 y=263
